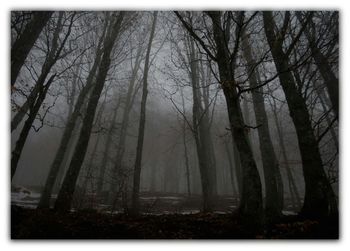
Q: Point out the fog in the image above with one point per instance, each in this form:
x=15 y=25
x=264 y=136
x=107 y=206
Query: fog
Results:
x=140 y=105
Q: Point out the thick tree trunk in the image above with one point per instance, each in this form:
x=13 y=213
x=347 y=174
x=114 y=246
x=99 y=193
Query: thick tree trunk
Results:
x=22 y=46
x=319 y=196
x=68 y=131
x=89 y=172
x=251 y=207
x=330 y=80
x=65 y=196
x=273 y=187
x=16 y=153
x=135 y=206
x=93 y=156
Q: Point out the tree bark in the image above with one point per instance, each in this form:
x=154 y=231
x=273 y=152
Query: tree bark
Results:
x=231 y=167
x=135 y=207
x=51 y=59
x=65 y=195
x=106 y=150
x=319 y=196
x=68 y=131
x=184 y=141
x=330 y=80
x=273 y=181
x=251 y=200
x=129 y=101
x=201 y=133
x=293 y=189
x=22 y=46
x=16 y=153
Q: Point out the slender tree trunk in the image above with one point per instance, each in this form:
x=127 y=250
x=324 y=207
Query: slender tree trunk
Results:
x=117 y=172
x=200 y=133
x=273 y=186
x=292 y=186
x=319 y=196
x=231 y=167
x=22 y=46
x=204 y=122
x=51 y=59
x=328 y=120
x=68 y=131
x=135 y=207
x=106 y=150
x=65 y=195
x=238 y=169
x=184 y=140
x=16 y=153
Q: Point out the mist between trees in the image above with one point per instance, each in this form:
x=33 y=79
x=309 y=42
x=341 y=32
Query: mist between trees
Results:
x=108 y=107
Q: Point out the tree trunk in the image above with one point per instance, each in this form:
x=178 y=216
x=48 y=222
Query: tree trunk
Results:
x=65 y=195
x=130 y=97
x=135 y=207
x=16 y=153
x=251 y=201
x=207 y=136
x=68 y=131
x=292 y=186
x=90 y=163
x=273 y=186
x=22 y=46
x=330 y=80
x=184 y=141
x=51 y=59
x=231 y=167
x=319 y=196
x=201 y=133
x=107 y=147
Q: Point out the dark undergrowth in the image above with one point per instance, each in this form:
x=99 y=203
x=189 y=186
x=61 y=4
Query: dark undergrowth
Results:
x=85 y=224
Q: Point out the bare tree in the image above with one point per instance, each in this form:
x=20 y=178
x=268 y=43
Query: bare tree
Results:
x=65 y=195
x=319 y=196
x=24 y=43
x=251 y=203
x=135 y=207
x=71 y=124
x=273 y=180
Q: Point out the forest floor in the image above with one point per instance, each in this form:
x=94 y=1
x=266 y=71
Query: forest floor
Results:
x=164 y=216
x=27 y=223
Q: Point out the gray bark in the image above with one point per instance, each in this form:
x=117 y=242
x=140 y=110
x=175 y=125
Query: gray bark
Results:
x=251 y=200
x=65 y=195
x=135 y=207
x=16 y=153
x=319 y=196
x=106 y=150
x=330 y=80
x=273 y=181
x=68 y=131
x=50 y=60
x=22 y=46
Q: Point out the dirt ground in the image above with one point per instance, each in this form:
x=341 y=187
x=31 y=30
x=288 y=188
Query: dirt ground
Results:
x=89 y=224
